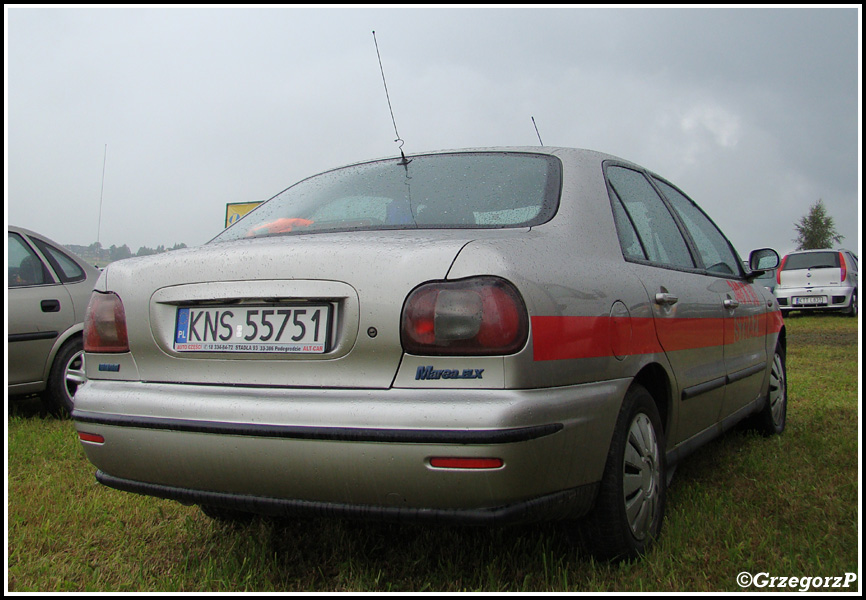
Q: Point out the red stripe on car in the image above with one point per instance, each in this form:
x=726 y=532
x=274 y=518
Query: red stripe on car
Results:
x=558 y=338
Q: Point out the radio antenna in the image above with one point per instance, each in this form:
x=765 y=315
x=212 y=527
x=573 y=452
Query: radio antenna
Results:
x=404 y=162
x=101 y=189
x=536 y=131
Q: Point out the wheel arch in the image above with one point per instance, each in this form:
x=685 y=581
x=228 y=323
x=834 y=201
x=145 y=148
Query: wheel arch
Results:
x=783 y=338
x=64 y=338
x=655 y=379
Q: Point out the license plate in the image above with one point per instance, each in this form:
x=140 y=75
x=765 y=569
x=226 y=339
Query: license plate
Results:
x=800 y=300
x=255 y=329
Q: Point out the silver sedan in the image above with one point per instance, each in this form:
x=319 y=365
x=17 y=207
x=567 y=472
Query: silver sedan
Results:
x=480 y=336
x=48 y=291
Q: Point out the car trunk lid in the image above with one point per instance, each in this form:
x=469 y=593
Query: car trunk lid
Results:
x=810 y=270
x=356 y=282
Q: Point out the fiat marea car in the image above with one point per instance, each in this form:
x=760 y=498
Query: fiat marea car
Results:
x=481 y=337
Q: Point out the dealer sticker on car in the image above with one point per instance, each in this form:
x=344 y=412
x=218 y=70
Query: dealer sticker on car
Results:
x=265 y=329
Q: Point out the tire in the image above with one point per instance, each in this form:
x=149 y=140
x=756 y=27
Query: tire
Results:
x=773 y=416
x=853 y=307
x=629 y=509
x=66 y=376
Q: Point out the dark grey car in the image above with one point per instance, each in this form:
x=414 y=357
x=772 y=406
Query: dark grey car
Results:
x=480 y=336
x=49 y=288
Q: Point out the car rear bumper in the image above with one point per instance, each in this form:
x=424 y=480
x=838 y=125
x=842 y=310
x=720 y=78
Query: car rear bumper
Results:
x=564 y=504
x=354 y=452
x=820 y=298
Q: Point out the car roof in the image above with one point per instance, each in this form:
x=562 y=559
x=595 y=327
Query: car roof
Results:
x=548 y=150
x=820 y=250
x=17 y=229
x=48 y=240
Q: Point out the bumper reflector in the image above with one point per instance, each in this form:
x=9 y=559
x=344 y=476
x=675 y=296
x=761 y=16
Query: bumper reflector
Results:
x=466 y=463
x=91 y=437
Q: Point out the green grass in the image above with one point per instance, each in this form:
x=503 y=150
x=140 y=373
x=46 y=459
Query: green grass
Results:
x=786 y=505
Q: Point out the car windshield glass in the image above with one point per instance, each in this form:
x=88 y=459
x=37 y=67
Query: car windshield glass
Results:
x=812 y=260
x=475 y=190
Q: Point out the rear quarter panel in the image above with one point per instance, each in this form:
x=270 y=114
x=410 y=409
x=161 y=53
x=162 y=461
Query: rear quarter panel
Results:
x=589 y=312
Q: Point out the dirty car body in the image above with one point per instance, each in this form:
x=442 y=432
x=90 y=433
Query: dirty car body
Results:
x=481 y=336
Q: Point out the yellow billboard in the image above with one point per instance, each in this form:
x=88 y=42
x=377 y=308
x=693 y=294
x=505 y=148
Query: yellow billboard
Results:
x=236 y=210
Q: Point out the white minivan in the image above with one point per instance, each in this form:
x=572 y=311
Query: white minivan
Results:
x=818 y=280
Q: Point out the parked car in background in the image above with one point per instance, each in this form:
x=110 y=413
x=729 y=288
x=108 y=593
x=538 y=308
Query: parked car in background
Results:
x=49 y=288
x=479 y=336
x=818 y=280
x=767 y=278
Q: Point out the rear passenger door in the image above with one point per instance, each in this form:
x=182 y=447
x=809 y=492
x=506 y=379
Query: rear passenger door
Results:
x=39 y=309
x=689 y=313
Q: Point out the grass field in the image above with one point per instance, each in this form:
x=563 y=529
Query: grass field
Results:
x=786 y=506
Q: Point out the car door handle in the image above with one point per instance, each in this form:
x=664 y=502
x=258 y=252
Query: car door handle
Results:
x=50 y=306
x=731 y=303
x=666 y=299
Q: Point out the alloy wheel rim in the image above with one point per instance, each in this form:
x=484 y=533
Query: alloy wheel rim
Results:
x=75 y=374
x=777 y=390
x=641 y=476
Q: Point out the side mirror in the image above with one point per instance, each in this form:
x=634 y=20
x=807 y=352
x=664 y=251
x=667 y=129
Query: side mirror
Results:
x=762 y=260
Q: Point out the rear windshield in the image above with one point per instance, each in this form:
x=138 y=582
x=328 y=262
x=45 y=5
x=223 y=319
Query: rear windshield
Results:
x=450 y=191
x=812 y=260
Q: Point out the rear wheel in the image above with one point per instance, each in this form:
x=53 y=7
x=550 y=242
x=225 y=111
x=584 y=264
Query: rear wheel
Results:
x=852 y=309
x=772 y=418
x=629 y=509
x=66 y=376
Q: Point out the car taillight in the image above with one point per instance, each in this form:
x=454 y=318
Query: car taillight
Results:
x=105 y=324
x=842 y=264
x=476 y=316
x=779 y=271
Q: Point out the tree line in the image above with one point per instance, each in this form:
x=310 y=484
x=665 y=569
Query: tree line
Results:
x=98 y=254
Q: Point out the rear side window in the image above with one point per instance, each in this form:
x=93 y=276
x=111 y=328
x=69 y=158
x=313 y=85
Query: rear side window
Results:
x=23 y=266
x=438 y=191
x=660 y=239
x=628 y=239
x=811 y=260
x=712 y=246
x=64 y=266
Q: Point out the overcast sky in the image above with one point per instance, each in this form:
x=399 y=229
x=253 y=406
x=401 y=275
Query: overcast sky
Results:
x=753 y=112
